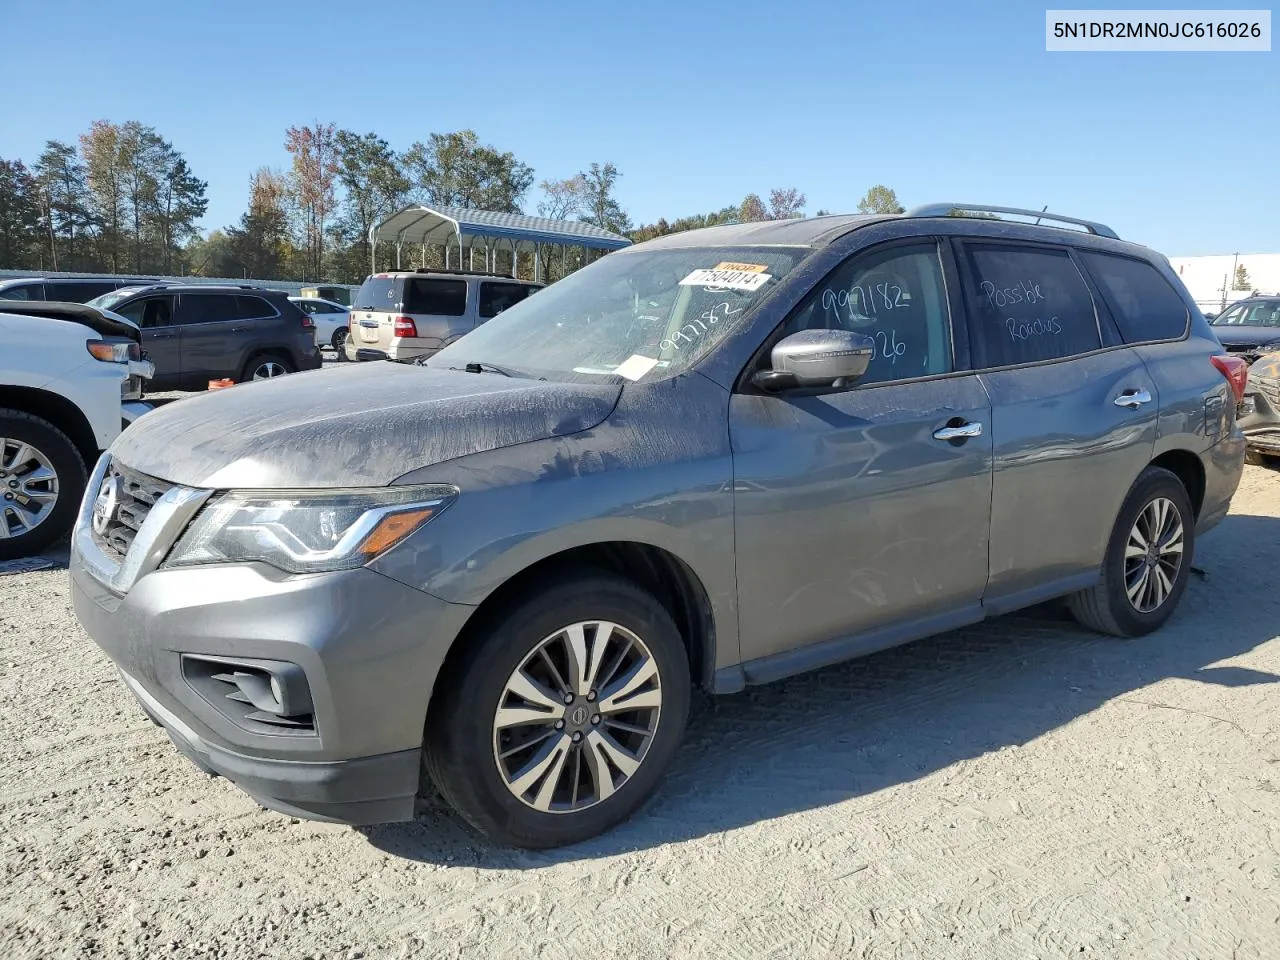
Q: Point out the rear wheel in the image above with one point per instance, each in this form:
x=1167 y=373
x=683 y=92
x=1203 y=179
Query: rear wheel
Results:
x=561 y=721
x=42 y=478
x=266 y=366
x=1147 y=562
x=339 y=341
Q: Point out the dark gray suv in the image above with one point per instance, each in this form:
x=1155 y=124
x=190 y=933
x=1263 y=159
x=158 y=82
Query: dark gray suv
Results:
x=716 y=458
x=195 y=333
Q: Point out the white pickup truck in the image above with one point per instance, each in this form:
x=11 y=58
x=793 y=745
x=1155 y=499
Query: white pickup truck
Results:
x=70 y=381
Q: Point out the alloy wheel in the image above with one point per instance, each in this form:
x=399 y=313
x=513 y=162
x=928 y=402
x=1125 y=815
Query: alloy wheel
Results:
x=269 y=369
x=1153 y=555
x=28 y=488
x=577 y=717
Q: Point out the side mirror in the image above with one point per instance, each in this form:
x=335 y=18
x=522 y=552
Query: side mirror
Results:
x=816 y=358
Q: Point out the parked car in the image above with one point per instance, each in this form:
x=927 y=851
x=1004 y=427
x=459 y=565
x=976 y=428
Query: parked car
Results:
x=1250 y=327
x=195 y=333
x=499 y=571
x=330 y=319
x=1259 y=411
x=410 y=314
x=70 y=380
x=62 y=289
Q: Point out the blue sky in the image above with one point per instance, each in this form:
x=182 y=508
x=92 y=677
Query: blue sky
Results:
x=697 y=103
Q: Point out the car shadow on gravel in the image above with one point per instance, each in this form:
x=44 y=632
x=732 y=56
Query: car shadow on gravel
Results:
x=862 y=726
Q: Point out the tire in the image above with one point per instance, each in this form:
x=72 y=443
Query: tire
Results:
x=1107 y=607
x=1253 y=457
x=461 y=755
x=339 y=341
x=25 y=531
x=257 y=366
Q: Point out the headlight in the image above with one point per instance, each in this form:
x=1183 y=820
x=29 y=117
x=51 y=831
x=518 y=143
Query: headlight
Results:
x=114 y=351
x=307 y=531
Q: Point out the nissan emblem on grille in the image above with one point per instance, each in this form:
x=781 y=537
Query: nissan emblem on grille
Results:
x=104 y=507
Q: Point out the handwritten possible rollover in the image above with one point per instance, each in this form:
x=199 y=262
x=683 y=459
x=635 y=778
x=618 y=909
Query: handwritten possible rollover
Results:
x=749 y=280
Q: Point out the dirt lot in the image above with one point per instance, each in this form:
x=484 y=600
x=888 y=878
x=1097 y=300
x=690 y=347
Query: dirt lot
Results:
x=1022 y=789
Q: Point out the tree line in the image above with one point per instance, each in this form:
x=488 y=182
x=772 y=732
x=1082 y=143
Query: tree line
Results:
x=122 y=199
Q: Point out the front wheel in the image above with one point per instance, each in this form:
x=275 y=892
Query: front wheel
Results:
x=42 y=478
x=563 y=718
x=1147 y=562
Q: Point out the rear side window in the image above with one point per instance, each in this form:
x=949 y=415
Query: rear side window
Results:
x=253 y=308
x=496 y=297
x=1027 y=304
x=206 y=308
x=79 y=292
x=377 y=293
x=26 y=291
x=1146 y=307
x=441 y=298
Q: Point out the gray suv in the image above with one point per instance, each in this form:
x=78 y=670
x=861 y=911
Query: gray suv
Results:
x=716 y=458
x=195 y=333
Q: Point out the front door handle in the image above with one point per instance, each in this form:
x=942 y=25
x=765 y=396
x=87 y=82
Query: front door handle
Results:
x=1133 y=399
x=960 y=432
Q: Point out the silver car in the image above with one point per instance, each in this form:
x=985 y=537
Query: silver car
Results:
x=714 y=459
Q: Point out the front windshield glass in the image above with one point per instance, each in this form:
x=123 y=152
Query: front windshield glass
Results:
x=108 y=300
x=631 y=315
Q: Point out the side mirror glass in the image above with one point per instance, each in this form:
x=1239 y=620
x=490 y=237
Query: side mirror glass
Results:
x=817 y=358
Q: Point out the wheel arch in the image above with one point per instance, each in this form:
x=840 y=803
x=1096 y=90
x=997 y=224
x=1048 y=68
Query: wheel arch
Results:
x=658 y=571
x=57 y=410
x=1189 y=469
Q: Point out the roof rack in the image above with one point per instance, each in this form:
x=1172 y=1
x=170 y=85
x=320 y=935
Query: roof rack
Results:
x=949 y=209
x=463 y=272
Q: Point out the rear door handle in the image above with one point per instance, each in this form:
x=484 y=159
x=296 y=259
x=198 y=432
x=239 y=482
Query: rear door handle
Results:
x=1133 y=399
x=239 y=329
x=960 y=432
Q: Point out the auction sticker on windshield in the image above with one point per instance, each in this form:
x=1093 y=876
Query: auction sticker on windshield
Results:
x=635 y=366
x=732 y=279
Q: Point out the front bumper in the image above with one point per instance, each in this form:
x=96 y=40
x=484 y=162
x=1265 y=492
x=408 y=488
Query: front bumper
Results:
x=1261 y=424
x=368 y=646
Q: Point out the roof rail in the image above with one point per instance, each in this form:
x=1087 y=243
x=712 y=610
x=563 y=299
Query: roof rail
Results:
x=461 y=272
x=949 y=209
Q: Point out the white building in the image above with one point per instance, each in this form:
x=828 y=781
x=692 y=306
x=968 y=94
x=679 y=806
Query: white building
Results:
x=1211 y=280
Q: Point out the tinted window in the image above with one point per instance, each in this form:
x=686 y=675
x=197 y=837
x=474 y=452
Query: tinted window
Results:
x=253 y=308
x=377 y=293
x=148 y=312
x=496 y=297
x=898 y=299
x=207 y=307
x=79 y=292
x=1027 y=304
x=1264 y=313
x=442 y=298
x=26 y=291
x=1145 y=306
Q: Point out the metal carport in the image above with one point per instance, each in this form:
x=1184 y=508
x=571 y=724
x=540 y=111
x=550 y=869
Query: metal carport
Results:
x=460 y=229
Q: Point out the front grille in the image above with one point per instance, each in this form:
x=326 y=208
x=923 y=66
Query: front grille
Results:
x=135 y=495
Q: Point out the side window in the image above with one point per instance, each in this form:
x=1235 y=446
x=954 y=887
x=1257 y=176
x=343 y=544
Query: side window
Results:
x=496 y=297
x=26 y=291
x=1231 y=316
x=253 y=308
x=149 y=312
x=79 y=292
x=1027 y=304
x=308 y=306
x=442 y=298
x=898 y=298
x=1145 y=306
x=1263 y=314
x=205 y=308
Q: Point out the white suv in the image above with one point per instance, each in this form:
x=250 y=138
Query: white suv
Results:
x=70 y=382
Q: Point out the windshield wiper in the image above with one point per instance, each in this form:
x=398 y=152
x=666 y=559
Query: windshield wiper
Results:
x=485 y=367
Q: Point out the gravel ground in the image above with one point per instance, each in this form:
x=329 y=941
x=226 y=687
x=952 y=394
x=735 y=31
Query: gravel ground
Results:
x=1021 y=789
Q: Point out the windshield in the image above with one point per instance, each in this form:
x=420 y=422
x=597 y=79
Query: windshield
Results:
x=631 y=315
x=108 y=300
x=1263 y=313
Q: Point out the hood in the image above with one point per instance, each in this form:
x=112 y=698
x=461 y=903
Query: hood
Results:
x=1245 y=334
x=363 y=425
